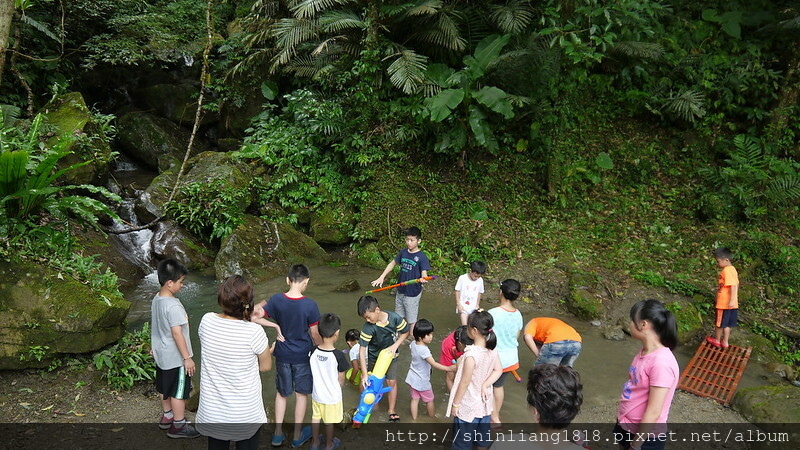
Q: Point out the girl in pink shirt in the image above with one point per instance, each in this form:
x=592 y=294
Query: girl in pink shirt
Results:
x=471 y=402
x=652 y=379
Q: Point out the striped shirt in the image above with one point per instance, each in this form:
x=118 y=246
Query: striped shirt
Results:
x=378 y=336
x=231 y=406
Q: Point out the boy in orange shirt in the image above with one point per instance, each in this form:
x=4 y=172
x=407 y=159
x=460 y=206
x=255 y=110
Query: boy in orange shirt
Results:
x=727 y=299
x=552 y=341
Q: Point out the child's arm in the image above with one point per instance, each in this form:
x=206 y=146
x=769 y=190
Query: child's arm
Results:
x=362 y=358
x=315 y=336
x=438 y=366
x=458 y=302
x=461 y=389
x=341 y=378
x=734 y=296
x=389 y=267
x=655 y=403
x=497 y=371
x=398 y=342
x=478 y=301
x=422 y=275
x=267 y=323
x=355 y=371
x=180 y=342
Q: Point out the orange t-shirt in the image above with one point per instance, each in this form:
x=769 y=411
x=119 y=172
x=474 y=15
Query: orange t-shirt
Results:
x=548 y=330
x=727 y=277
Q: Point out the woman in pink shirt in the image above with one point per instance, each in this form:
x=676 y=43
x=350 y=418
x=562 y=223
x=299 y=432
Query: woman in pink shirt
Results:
x=652 y=379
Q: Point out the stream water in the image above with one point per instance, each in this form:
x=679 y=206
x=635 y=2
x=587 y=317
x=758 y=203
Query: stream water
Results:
x=602 y=363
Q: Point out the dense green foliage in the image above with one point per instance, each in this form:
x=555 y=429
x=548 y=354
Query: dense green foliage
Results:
x=128 y=361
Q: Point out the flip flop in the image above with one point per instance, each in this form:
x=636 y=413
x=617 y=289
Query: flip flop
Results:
x=394 y=417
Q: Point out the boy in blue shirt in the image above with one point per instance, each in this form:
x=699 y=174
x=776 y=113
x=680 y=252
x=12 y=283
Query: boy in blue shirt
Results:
x=298 y=317
x=413 y=264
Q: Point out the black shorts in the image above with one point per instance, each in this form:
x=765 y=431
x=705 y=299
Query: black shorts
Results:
x=727 y=318
x=173 y=383
x=501 y=381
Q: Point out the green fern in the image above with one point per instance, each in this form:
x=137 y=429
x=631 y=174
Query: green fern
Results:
x=512 y=17
x=687 y=105
x=407 y=72
x=646 y=50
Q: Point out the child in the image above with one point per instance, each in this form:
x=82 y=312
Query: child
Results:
x=419 y=374
x=559 y=342
x=727 y=299
x=353 y=374
x=555 y=395
x=172 y=350
x=472 y=401
x=298 y=317
x=327 y=366
x=652 y=379
x=382 y=330
x=413 y=264
x=452 y=349
x=257 y=316
x=235 y=351
x=469 y=289
x=508 y=323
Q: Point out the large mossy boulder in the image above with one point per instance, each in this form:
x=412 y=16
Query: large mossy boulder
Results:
x=773 y=409
x=150 y=203
x=332 y=224
x=689 y=319
x=44 y=313
x=111 y=252
x=173 y=241
x=176 y=102
x=148 y=138
x=370 y=256
x=68 y=118
x=260 y=250
x=580 y=300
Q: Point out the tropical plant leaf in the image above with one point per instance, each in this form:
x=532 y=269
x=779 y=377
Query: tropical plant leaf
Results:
x=489 y=49
x=13 y=173
x=481 y=129
x=443 y=33
x=439 y=74
x=454 y=138
x=512 y=17
x=424 y=8
x=39 y=26
x=442 y=104
x=407 y=72
x=784 y=190
x=338 y=21
x=495 y=99
x=8 y=115
x=646 y=50
x=603 y=160
x=307 y=9
x=687 y=105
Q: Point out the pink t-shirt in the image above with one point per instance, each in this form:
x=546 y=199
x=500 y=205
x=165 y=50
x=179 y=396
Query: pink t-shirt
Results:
x=472 y=403
x=449 y=352
x=657 y=369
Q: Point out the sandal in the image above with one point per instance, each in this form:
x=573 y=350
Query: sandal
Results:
x=393 y=417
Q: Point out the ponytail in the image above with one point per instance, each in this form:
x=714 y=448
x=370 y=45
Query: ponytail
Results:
x=663 y=320
x=235 y=297
x=483 y=322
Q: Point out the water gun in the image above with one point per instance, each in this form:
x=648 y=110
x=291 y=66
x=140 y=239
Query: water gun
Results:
x=516 y=376
x=374 y=391
x=404 y=283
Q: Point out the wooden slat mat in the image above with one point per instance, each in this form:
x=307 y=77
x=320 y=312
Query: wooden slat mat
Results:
x=715 y=372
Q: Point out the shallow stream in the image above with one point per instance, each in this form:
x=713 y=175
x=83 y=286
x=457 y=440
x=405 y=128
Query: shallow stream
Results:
x=603 y=364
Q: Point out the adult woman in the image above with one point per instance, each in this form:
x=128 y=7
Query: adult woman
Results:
x=233 y=352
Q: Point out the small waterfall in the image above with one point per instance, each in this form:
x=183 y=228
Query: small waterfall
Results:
x=135 y=246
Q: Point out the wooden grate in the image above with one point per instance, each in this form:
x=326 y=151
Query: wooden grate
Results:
x=715 y=372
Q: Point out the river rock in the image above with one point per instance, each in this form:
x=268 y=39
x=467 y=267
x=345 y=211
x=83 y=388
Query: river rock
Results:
x=146 y=137
x=348 y=286
x=111 y=253
x=67 y=116
x=773 y=408
x=150 y=203
x=259 y=250
x=176 y=102
x=613 y=333
x=332 y=224
x=173 y=241
x=44 y=313
x=689 y=319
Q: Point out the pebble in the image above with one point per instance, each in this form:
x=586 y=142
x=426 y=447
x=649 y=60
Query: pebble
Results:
x=596 y=323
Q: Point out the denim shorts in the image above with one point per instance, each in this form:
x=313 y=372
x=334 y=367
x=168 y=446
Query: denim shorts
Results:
x=559 y=353
x=469 y=434
x=291 y=378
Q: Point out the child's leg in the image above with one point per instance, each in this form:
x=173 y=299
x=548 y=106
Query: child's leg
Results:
x=718 y=334
x=166 y=405
x=392 y=395
x=178 y=408
x=315 y=438
x=300 y=402
x=431 y=408
x=414 y=407
x=449 y=379
x=280 y=412
x=726 y=334
x=329 y=435
x=463 y=319
x=499 y=393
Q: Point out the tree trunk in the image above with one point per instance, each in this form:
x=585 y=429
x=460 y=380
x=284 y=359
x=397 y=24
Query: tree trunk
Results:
x=6 y=18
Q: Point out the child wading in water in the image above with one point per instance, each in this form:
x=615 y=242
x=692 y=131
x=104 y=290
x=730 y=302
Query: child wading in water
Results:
x=472 y=401
x=507 y=325
x=419 y=374
x=652 y=379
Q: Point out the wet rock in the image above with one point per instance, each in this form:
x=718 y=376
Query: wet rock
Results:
x=259 y=250
x=146 y=137
x=771 y=406
x=229 y=144
x=613 y=333
x=112 y=254
x=625 y=323
x=689 y=319
x=176 y=102
x=581 y=301
x=44 y=313
x=596 y=323
x=68 y=117
x=173 y=241
x=370 y=256
x=782 y=370
x=348 y=286
x=150 y=203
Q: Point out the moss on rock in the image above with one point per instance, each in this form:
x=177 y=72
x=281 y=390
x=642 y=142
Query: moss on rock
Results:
x=370 y=256
x=769 y=404
x=332 y=224
x=690 y=322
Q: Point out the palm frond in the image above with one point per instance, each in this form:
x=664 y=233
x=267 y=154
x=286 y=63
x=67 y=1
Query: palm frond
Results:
x=518 y=101
x=784 y=190
x=39 y=26
x=407 y=72
x=646 y=50
x=748 y=152
x=424 y=8
x=307 y=9
x=443 y=32
x=687 y=105
x=338 y=21
x=512 y=17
